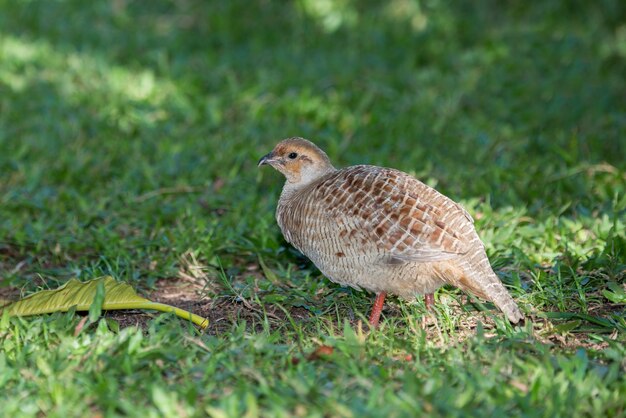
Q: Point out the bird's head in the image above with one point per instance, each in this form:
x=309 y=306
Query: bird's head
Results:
x=300 y=161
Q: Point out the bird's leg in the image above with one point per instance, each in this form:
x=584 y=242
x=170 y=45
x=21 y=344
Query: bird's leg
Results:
x=429 y=300
x=377 y=309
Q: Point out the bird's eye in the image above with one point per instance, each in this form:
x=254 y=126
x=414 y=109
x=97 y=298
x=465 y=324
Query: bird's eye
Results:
x=293 y=155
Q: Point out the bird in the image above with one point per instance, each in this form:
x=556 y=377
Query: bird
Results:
x=380 y=229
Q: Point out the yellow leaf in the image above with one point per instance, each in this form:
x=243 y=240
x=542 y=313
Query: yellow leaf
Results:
x=74 y=293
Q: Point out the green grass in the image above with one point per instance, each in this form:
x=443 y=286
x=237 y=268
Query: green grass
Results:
x=129 y=134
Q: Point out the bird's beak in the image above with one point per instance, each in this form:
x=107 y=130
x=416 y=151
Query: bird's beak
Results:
x=266 y=159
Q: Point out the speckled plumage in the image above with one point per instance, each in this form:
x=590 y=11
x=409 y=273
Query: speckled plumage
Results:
x=380 y=229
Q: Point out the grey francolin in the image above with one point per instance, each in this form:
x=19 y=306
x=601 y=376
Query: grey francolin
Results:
x=380 y=229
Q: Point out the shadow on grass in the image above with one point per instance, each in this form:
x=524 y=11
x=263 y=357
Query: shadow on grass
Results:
x=531 y=115
x=484 y=93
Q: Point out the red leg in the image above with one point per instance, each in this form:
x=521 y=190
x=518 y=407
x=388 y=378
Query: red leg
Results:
x=429 y=300
x=377 y=309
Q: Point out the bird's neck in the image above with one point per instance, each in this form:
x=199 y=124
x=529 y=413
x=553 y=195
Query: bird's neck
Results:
x=291 y=188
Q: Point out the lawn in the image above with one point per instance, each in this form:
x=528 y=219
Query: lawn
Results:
x=129 y=136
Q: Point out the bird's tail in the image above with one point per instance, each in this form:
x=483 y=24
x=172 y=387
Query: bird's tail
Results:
x=484 y=283
x=495 y=291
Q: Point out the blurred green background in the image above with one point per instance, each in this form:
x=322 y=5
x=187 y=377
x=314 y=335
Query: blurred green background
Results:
x=129 y=137
x=519 y=104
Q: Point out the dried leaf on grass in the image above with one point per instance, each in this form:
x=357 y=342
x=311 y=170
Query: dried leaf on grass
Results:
x=105 y=292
